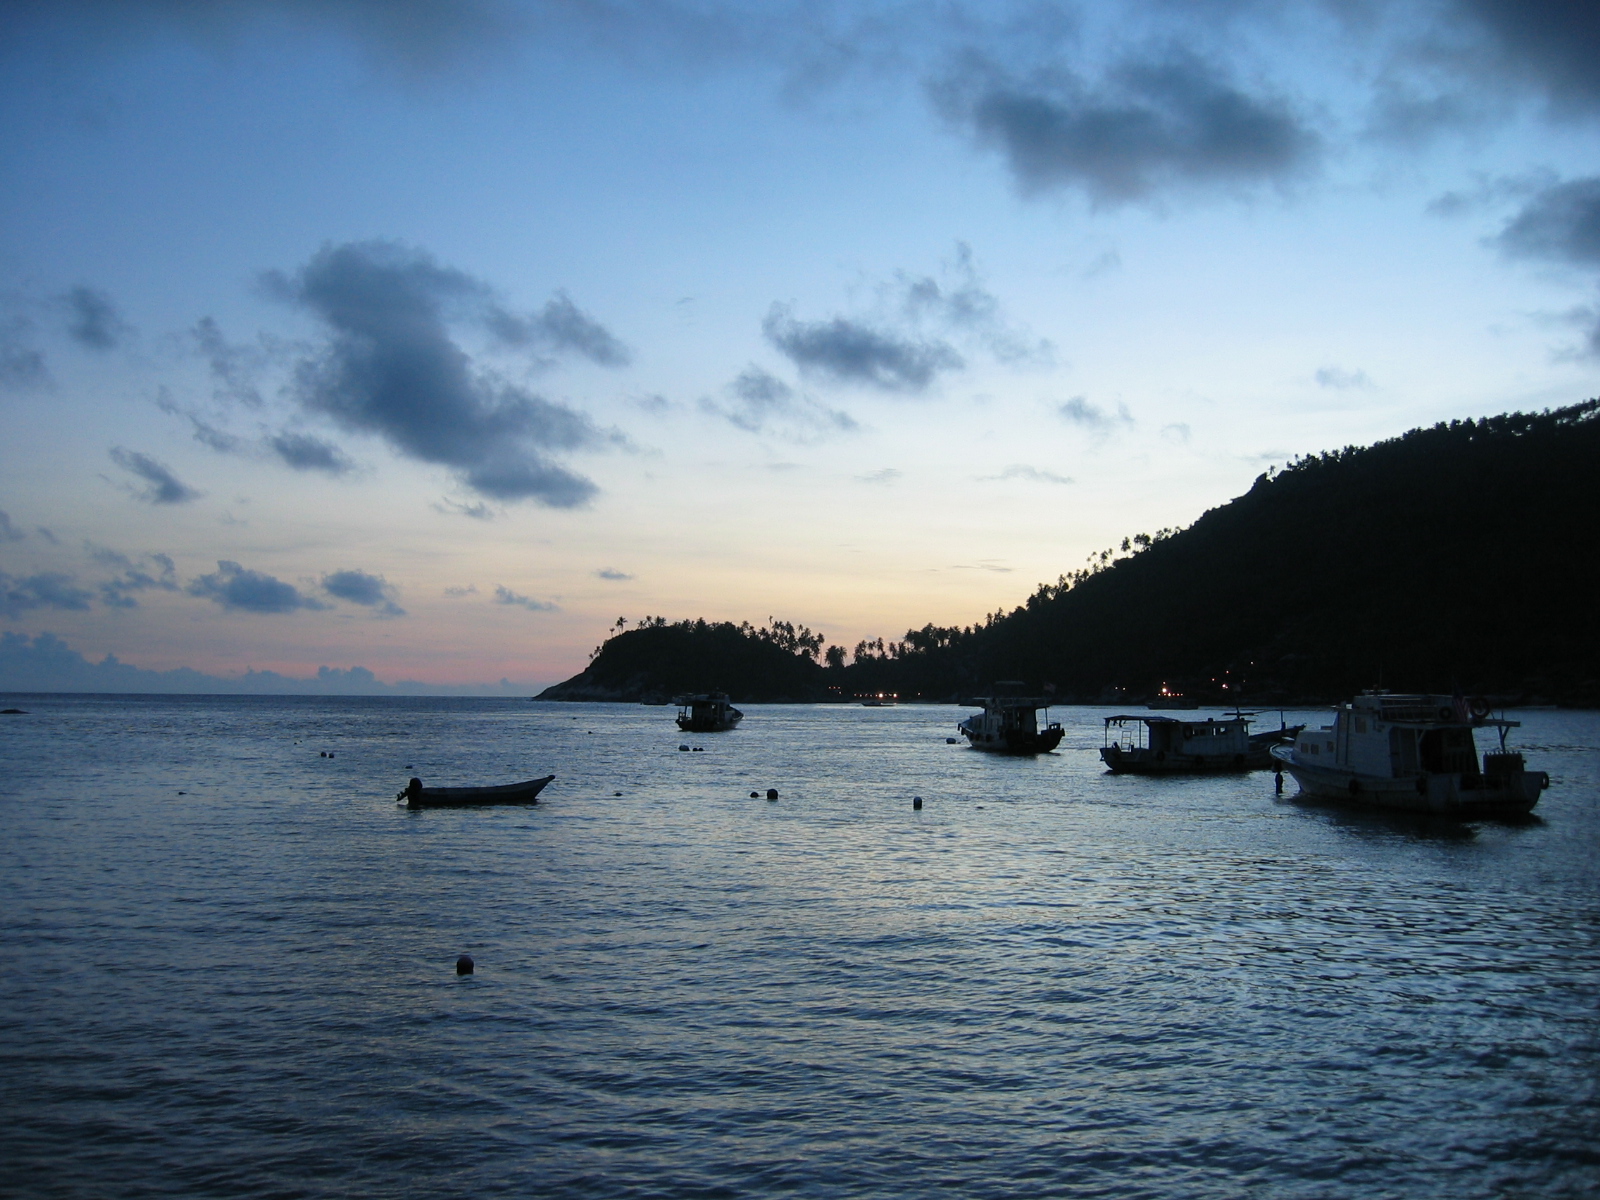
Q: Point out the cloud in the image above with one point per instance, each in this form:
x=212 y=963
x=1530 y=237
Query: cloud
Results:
x=887 y=475
x=963 y=304
x=93 y=320
x=1178 y=431
x=240 y=590
x=1022 y=471
x=1078 y=411
x=560 y=325
x=1553 y=44
x=415 y=38
x=470 y=590
x=47 y=664
x=164 y=487
x=504 y=595
x=614 y=576
x=1151 y=126
x=764 y=402
x=371 y=591
x=390 y=367
x=1341 y=380
x=306 y=453
x=8 y=531
x=47 y=590
x=22 y=367
x=1561 y=225
x=1489 y=190
x=846 y=351
x=233 y=367
x=152 y=571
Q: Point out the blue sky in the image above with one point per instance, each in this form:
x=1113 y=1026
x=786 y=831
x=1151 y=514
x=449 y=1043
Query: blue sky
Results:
x=430 y=338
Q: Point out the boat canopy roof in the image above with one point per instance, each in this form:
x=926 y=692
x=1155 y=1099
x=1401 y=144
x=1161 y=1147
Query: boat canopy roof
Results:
x=1152 y=720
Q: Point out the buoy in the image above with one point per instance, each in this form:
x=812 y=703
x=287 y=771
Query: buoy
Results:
x=1277 y=782
x=699 y=749
x=950 y=741
x=464 y=965
x=772 y=793
x=322 y=754
x=916 y=803
x=183 y=793
x=616 y=793
x=755 y=795
x=330 y=753
x=683 y=747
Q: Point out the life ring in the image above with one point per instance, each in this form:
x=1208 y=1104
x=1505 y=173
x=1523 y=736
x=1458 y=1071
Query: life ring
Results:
x=1478 y=706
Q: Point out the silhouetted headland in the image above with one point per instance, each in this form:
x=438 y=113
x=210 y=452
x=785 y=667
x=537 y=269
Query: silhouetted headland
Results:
x=1457 y=558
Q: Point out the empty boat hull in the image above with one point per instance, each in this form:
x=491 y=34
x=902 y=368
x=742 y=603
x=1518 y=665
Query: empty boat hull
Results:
x=451 y=797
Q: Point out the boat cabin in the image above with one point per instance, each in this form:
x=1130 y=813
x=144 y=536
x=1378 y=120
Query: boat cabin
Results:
x=1170 y=737
x=1394 y=737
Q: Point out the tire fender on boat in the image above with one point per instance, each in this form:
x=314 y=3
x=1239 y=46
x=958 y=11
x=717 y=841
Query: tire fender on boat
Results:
x=1478 y=706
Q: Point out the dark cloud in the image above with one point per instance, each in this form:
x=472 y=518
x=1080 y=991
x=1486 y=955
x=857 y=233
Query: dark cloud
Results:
x=560 y=325
x=390 y=367
x=240 y=590
x=764 y=403
x=372 y=591
x=22 y=367
x=47 y=590
x=847 y=351
x=613 y=576
x=504 y=595
x=164 y=487
x=416 y=38
x=306 y=453
x=152 y=571
x=1553 y=43
x=1150 y=126
x=8 y=531
x=1561 y=225
x=1079 y=411
x=93 y=320
x=1490 y=190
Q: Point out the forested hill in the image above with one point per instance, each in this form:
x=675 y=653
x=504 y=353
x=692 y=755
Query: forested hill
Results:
x=1463 y=556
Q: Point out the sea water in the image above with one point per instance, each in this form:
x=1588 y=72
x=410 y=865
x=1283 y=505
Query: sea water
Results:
x=227 y=963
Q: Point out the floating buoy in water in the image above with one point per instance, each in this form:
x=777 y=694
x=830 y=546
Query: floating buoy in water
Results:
x=916 y=803
x=772 y=793
x=683 y=747
x=1277 y=783
x=464 y=965
x=616 y=793
x=755 y=795
x=950 y=741
x=330 y=753
x=322 y=754
x=699 y=749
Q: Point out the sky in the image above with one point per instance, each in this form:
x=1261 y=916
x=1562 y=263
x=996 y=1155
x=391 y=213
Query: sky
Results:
x=398 y=344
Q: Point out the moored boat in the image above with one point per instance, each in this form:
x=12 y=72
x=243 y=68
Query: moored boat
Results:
x=527 y=792
x=1010 y=725
x=1413 y=752
x=1141 y=745
x=706 y=712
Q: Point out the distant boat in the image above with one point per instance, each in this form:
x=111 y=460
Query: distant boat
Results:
x=707 y=712
x=527 y=792
x=1167 y=698
x=1138 y=745
x=1416 y=753
x=881 y=700
x=1010 y=725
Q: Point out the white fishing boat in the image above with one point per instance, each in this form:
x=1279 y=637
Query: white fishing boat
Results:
x=1413 y=752
x=1142 y=745
x=1010 y=725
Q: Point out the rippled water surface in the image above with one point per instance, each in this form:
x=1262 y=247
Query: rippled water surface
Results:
x=227 y=964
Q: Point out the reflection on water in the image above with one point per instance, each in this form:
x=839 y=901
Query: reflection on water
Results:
x=229 y=963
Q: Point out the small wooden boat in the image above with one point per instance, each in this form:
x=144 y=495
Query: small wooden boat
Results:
x=1009 y=724
x=417 y=796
